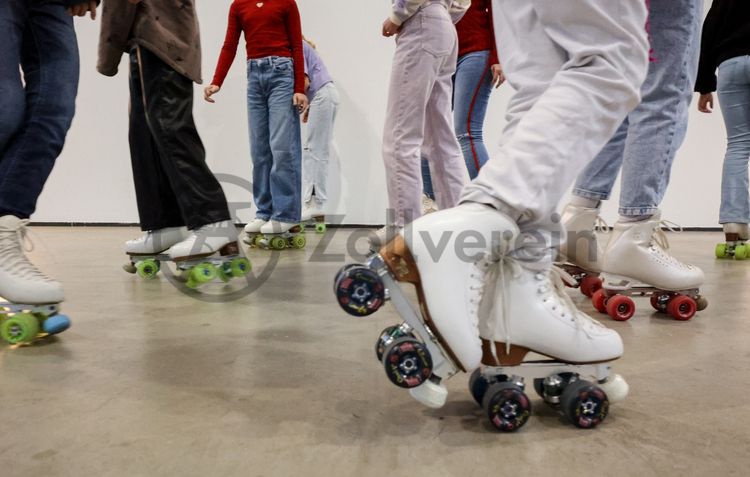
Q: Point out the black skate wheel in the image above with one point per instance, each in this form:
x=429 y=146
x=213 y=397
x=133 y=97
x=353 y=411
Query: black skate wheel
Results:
x=507 y=406
x=585 y=404
x=407 y=363
x=342 y=274
x=478 y=385
x=360 y=291
x=386 y=337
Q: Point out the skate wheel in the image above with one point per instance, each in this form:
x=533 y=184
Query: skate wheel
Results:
x=224 y=274
x=659 y=302
x=19 y=328
x=386 y=337
x=240 y=267
x=741 y=252
x=585 y=404
x=360 y=291
x=277 y=243
x=298 y=241
x=702 y=302
x=130 y=268
x=590 y=284
x=200 y=274
x=620 y=308
x=259 y=241
x=342 y=274
x=616 y=388
x=407 y=362
x=721 y=250
x=682 y=307
x=478 y=386
x=148 y=268
x=55 y=324
x=320 y=228
x=599 y=300
x=507 y=407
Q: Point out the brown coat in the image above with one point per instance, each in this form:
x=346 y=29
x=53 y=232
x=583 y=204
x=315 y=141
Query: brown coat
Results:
x=167 y=28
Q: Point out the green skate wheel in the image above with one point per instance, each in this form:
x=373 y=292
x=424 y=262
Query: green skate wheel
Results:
x=259 y=241
x=298 y=241
x=148 y=269
x=741 y=252
x=721 y=250
x=320 y=228
x=278 y=243
x=240 y=267
x=224 y=274
x=200 y=274
x=20 y=328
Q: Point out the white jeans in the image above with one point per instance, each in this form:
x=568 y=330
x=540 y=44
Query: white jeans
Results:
x=317 y=146
x=577 y=67
x=419 y=120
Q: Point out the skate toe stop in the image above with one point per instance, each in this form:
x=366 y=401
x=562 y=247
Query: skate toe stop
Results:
x=430 y=394
x=616 y=388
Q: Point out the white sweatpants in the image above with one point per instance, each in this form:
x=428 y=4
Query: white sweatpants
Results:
x=317 y=144
x=577 y=67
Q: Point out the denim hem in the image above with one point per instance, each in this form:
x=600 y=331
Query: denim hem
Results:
x=590 y=194
x=724 y=220
x=263 y=217
x=637 y=211
x=286 y=220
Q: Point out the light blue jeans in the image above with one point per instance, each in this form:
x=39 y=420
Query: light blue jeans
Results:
x=645 y=144
x=275 y=141
x=472 y=88
x=734 y=98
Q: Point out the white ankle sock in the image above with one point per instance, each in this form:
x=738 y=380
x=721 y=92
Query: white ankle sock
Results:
x=586 y=202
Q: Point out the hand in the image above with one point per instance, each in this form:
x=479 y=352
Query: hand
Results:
x=209 y=91
x=706 y=103
x=80 y=9
x=498 y=77
x=300 y=100
x=390 y=28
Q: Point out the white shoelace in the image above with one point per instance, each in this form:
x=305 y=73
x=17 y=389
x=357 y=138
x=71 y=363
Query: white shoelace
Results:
x=660 y=243
x=13 y=243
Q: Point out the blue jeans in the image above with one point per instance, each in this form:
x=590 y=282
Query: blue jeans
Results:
x=472 y=87
x=734 y=98
x=646 y=143
x=275 y=141
x=34 y=119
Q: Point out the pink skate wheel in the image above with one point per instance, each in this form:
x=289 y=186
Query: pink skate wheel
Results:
x=590 y=284
x=682 y=307
x=620 y=307
x=599 y=300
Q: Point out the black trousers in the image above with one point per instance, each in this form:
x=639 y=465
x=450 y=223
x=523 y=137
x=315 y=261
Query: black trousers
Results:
x=173 y=184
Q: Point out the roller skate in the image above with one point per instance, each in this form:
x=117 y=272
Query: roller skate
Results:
x=252 y=232
x=736 y=244
x=380 y=237
x=29 y=300
x=148 y=251
x=581 y=253
x=530 y=313
x=313 y=216
x=275 y=235
x=437 y=338
x=637 y=263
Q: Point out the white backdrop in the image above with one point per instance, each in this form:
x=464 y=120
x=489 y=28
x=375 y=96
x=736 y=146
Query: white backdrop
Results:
x=92 y=181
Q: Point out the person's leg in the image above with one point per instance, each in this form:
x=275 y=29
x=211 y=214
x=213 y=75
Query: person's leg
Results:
x=260 y=137
x=658 y=124
x=284 y=125
x=309 y=169
x=157 y=204
x=319 y=139
x=734 y=98
x=49 y=60
x=13 y=17
x=168 y=99
x=427 y=188
x=473 y=87
x=415 y=67
x=441 y=145
x=598 y=178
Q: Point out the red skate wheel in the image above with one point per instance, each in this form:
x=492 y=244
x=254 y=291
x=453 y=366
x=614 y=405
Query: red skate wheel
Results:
x=599 y=300
x=620 y=307
x=682 y=307
x=590 y=284
x=659 y=302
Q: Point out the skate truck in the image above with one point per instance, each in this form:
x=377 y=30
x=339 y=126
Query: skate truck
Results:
x=196 y=270
x=294 y=238
x=25 y=324
x=414 y=355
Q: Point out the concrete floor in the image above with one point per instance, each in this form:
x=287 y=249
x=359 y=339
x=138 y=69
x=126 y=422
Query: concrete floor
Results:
x=151 y=381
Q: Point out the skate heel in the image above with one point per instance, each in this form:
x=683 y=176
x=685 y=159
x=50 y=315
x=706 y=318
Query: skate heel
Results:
x=513 y=358
x=232 y=248
x=400 y=262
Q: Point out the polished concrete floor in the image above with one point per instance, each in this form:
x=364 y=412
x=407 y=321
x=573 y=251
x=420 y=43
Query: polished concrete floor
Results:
x=268 y=377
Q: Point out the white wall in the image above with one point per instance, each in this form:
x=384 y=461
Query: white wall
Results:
x=93 y=183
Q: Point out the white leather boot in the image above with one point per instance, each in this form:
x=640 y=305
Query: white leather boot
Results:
x=582 y=247
x=156 y=241
x=205 y=241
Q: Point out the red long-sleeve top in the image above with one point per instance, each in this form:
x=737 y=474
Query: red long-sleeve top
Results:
x=476 y=31
x=271 y=28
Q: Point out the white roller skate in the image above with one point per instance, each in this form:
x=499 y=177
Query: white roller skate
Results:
x=147 y=251
x=736 y=246
x=29 y=300
x=528 y=312
x=441 y=255
x=313 y=216
x=581 y=253
x=276 y=235
x=637 y=263
x=252 y=231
